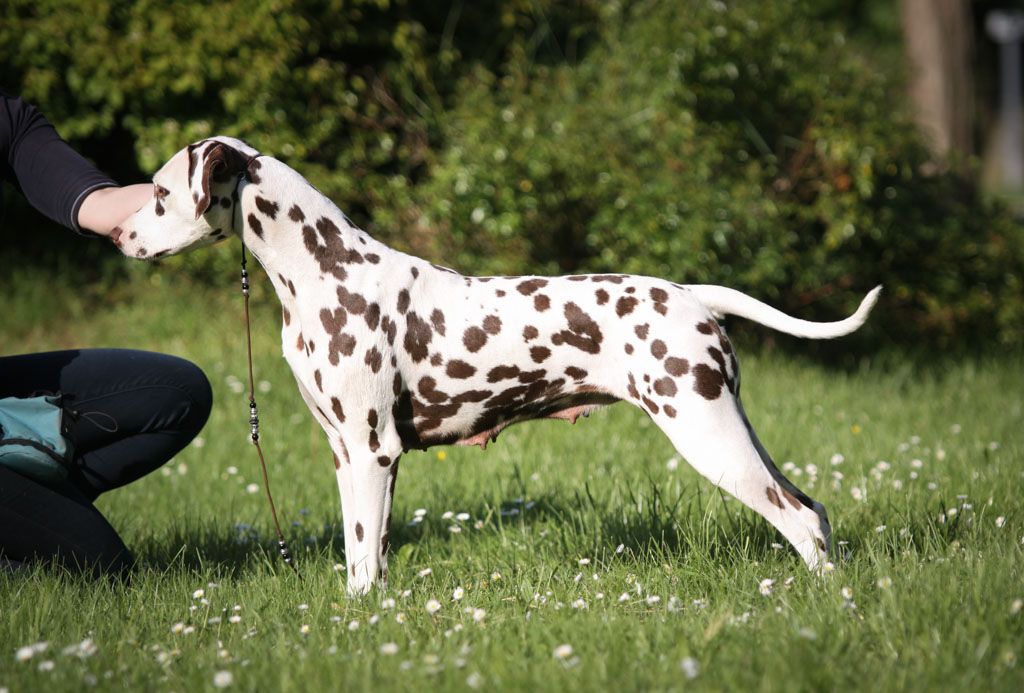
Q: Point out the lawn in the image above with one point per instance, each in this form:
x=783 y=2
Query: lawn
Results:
x=564 y=557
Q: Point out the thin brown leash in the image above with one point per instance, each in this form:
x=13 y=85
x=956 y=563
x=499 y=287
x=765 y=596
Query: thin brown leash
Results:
x=254 y=424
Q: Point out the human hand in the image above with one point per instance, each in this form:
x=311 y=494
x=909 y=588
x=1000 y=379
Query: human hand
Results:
x=103 y=209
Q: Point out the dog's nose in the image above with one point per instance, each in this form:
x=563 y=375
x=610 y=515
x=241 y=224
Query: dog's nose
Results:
x=115 y=235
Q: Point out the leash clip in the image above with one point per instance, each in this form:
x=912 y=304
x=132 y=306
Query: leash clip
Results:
x=254 y=421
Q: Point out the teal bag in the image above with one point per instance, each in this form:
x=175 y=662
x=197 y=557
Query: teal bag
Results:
x=32 y=438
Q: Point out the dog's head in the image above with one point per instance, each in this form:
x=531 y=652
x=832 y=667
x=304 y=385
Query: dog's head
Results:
x=194 y=199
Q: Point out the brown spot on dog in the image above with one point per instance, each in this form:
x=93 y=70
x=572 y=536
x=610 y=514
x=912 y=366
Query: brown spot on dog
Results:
x=319 y=380
x=492 y=325
x=295 y=214
x=396 y=384
x=541 y=303
x=372 y=258
x=251 y=169
x=373 y=442
x=583 y=333
x=773 y=498
x=474 y=339
x=390 y=328
x=610 y=278
x=530 y=332
x=530 y=285
x=625 y=305
x=676 y=366
x=652 y=406
x=372 y=315
x=286 y=315
x=403 y=301
x=500 y=293
x=417 y=336
x=359 y=532
x=797 y=500
x=670 y=411
x=384 y=461
x=353 y=303
x=502 y=373
x=428 y=390
x=642 y=330
x=602 y=297
x=312 y=346
x=666 y=387
x=255 y=225
x=631 y=388
x=532 y=376
x=658 y=295
x=373 y=359
x=658 y=349
x=575 y=373
x=436 y=359
x=300 y=343
x=460 y=370
x=539 y=353
x=339 y=413
x=708 y=381
x=337 y=462
x=267 y=207
x=628 y=348
x=437 y=320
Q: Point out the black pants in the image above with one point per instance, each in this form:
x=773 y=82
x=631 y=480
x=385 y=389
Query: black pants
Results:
x=134 y=411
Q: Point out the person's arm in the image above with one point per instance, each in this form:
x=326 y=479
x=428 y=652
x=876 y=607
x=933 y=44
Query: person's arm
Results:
x=103 y=209
x=57 y=180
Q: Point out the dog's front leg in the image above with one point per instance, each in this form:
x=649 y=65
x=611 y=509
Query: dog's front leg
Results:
x=366 y=482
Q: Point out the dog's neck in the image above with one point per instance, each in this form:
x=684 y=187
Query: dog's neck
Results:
x=298 y=235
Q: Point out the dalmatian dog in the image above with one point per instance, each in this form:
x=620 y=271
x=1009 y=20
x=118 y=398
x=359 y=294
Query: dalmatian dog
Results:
x=393 y=353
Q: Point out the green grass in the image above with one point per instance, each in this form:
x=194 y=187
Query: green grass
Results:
x=931 y=601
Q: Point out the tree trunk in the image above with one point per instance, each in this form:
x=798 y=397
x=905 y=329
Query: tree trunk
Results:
x=937 y=34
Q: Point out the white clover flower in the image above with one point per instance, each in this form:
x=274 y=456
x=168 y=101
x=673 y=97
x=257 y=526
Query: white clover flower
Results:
x=235 y=619
x=433 y=606
x=447 y=515
x=1016 y=606
x=458 y=594
x=455 y=529
x=846 y=592
x=495 y=576
x=373 y=619
x=178 y=627
x=620 y=548
x=857 y=493
x=46 y=665
x=690 y=667
x=807 y=634
x=232 y=470
x=388 y=603
x=563 y=651
x=478 y=615
x=579 y=604
x=624 y=597
x=303 y=607
x=400 y=618
x=223 y=679
x=339 y=567
x=879 y=529
x=304 y=629
x=198 y=594
x=335 y=619
x=419 y=512
x=462 y=517
x=1000 y=521
x=837 y=459
x=653 y=599
x=884 y=582
x=672 y=464
x=474 y=680
x=765 y=588
x=389 y=648
x=425 y=572
x=189 y=630
x=353 y=625
x=252 y=488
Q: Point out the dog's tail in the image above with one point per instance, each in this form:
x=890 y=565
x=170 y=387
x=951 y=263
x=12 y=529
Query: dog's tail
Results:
x=721 y=301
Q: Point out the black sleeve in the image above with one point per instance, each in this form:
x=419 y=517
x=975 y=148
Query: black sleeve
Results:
x=53 y=176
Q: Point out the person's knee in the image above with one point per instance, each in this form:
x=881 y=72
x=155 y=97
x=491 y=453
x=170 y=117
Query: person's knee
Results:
x=195 y=388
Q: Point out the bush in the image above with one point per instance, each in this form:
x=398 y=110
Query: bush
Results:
x=746 y=144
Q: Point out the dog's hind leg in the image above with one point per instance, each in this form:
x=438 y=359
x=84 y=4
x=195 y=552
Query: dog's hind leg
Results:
x=718 y=441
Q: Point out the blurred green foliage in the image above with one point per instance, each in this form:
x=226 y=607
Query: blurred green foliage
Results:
x=743 y=143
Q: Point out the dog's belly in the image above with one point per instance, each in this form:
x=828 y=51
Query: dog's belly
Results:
x=420 y=427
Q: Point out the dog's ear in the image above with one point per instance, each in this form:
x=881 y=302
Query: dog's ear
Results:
x=211 y=161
